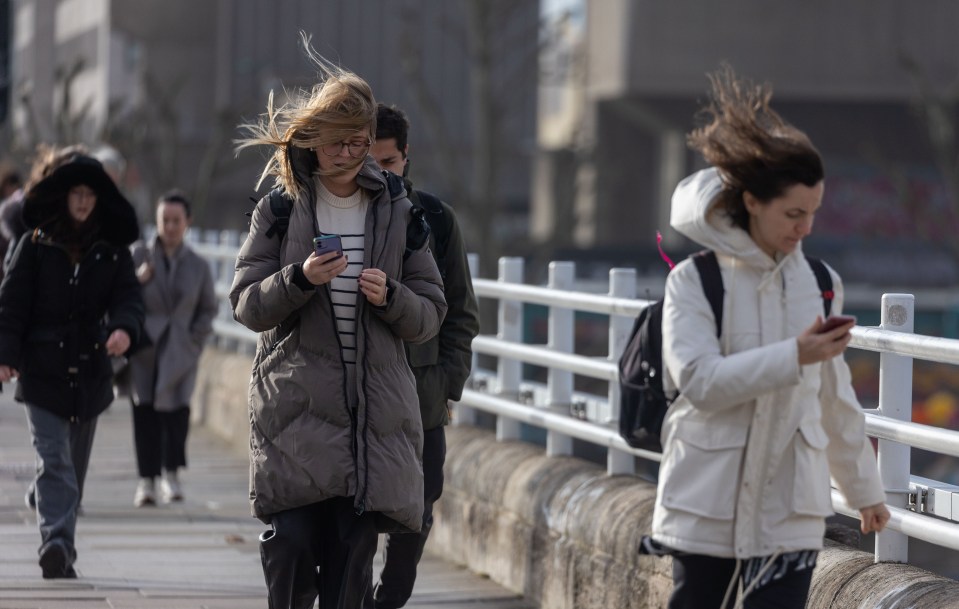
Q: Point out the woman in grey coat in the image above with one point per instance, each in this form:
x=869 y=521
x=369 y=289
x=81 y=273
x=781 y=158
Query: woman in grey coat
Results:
x=180 y=307
x=336 y=437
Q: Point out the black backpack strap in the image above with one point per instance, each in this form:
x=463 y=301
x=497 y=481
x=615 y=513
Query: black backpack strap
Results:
x=281 y=206
x=394 y=183
x=712 y=279
x=417 y=231
x=439 y=223
x=824 y=279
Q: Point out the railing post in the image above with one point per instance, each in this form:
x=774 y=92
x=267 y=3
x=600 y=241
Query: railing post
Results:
x=225 y=270
x=559 y=383
x=895 y=401
x=464 y=415
x=622 y=284
x=509 y=328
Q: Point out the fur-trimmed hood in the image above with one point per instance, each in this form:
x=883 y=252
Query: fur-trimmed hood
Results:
x=46 y=200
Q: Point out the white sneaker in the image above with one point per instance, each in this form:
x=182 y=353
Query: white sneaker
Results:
x=170 y=486
x=146 y=493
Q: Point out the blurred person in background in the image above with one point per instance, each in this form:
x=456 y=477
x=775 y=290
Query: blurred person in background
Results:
x=441 y=365
x=67 y=277
x=113 y=162
x=10 y=182
x=12 y=226
x=11 y=204
x=47 y=159
x=336 y=438
x=180 y=306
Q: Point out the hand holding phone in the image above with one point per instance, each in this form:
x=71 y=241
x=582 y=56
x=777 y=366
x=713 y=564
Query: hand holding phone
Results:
x=328 y=243
x=834 y=321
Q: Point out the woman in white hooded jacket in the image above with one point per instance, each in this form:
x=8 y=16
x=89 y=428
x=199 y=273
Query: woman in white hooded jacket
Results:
x=767 y=410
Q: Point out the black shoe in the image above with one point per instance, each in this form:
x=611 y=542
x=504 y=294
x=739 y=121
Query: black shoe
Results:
x=55 y=563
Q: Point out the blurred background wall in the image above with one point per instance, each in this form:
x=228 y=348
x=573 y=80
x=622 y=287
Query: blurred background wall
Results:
x=556 y=127
x=167 y=83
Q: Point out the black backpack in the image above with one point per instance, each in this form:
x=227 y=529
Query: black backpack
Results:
x=643 y=401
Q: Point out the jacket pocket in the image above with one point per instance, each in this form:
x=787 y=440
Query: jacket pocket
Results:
x=811 y=491
x=45 y=357
x=432 y=389
x=701 y=470
x=424 y=354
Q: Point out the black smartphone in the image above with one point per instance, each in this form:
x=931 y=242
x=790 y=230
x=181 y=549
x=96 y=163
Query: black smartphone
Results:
x=834 y=321
x=327 y=243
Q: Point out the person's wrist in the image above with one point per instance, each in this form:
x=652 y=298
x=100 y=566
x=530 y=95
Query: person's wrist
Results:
x=300 y=280
x=386 y=297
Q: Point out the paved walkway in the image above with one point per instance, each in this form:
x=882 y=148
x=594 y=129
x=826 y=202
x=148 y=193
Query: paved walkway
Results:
x=202 y=553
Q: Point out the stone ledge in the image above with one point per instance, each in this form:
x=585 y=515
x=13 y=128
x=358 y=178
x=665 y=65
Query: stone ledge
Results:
x=220 y=396
x=559 y=530
x=563 y=533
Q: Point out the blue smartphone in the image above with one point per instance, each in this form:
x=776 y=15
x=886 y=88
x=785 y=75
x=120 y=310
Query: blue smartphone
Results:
x=327 y=243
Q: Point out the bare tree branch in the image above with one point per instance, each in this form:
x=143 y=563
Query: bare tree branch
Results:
x=410 y=53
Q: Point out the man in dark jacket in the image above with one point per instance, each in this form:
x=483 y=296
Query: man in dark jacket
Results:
x=441 y=365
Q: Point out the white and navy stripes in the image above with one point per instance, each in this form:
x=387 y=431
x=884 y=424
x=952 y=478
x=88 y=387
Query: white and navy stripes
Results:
x=346 y=217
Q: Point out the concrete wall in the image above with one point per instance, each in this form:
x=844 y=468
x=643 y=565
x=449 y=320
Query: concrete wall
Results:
x=825 y=50
x=562 y=532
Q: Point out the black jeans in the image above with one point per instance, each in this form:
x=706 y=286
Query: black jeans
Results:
x=700 y=582
x=160 y=439
x=402 y=551
x=324 y=549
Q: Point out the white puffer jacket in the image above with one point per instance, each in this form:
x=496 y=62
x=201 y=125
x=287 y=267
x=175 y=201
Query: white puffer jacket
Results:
x=751 y=441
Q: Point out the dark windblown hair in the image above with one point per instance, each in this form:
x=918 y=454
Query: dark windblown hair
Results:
x=176 y=196
x=755 y=150
x=391 y=122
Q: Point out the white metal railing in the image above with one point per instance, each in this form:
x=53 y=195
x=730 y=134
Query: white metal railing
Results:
x=918 y=506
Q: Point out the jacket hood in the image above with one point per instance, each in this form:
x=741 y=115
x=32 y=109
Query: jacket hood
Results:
x=374 y=179
x=695 y=214
x=47 y=199
x=304 y=165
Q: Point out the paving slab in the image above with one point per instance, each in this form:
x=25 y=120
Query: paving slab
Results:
x=198 y=554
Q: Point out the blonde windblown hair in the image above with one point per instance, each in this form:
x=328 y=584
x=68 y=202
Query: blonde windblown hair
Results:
x=336 y=108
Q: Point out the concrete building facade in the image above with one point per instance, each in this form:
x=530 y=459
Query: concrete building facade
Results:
x=168 y=82
x=853 y=75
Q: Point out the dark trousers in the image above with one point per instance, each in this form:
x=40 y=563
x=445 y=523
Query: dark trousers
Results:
x=700 y=582
x=63 y=453
x=402 y=551
x=81 y=445
x=160 y=439
x=324 y=549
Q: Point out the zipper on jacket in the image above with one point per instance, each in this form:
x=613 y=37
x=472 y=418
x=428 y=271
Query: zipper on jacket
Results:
x=361 y=309
x=74 y=362
x=346 y=388
x=361 y=500
x=282 y=334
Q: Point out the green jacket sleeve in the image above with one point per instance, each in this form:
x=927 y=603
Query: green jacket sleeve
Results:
x=462 y=316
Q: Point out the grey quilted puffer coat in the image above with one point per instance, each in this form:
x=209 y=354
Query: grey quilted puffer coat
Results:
x=306 y=443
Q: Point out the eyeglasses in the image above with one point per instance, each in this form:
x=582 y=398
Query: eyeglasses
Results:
x=357 y=150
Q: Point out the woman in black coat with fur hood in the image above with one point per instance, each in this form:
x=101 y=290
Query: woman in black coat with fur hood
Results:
x=69 y=301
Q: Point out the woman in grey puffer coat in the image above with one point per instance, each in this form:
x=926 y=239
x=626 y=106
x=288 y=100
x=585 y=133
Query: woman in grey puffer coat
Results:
x=336 y=437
